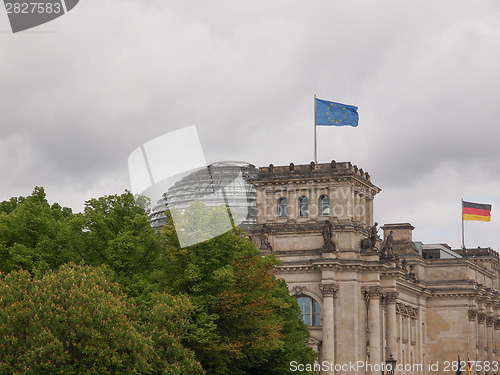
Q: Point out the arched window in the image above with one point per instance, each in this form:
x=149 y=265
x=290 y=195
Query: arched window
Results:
x=303 y=206
x=282 y=207
x=324 y=205
x=310 y=310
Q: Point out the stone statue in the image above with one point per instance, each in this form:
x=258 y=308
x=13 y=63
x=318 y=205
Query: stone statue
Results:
x=370 y=243
x=264 y=238
x=374 y=235
x=388 y=251
x=404 y=265
x=327 y=236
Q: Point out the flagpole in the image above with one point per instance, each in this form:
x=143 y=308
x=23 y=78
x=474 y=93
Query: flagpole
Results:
x=315 y=137
x=463 y=242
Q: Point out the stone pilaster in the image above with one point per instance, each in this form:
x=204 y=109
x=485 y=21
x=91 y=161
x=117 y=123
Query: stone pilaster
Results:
x=329 y=291
x=374 y=294
x=355 y=207
x=481 y=338
x=472 y=333
x=489 y=339
x=391 y=323
x=497 y=340
x=369 y=210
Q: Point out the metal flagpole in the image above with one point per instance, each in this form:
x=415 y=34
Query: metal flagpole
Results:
x=462 y=208
x=315 y=137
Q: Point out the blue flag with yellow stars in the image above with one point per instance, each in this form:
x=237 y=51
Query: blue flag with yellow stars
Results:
x=336 y=114
x=459 y=371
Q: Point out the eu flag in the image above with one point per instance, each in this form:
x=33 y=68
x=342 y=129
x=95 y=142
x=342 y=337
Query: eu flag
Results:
x=336 y=114
x=459 y=371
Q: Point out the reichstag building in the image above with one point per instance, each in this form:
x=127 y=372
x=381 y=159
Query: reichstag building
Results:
x=366 y=295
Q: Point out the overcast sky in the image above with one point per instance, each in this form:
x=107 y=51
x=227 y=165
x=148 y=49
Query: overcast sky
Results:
x=79 y=94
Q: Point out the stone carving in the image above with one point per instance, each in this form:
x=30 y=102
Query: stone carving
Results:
x=489 y=321
x=264 y=238
x=406 y=310
x=412 y=273
x=391 y=297
x=312 y=165
x=333 y=164
x=370 y=243
x=314 y=344
x=472 y=314
x=271 y=167
x=387 y=250
x=327 y=236
x=404 y=265
x=497 y=323
x=299 y=290
x=328 y=290
x=374 y=292
x=481 y=317
x=292 y=166
x=374 y=235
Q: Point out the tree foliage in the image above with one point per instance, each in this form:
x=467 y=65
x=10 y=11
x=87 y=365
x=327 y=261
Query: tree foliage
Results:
x=224 y=302
x=34 y=234
x=76 y=321
x=250 y=323
x=116 y=231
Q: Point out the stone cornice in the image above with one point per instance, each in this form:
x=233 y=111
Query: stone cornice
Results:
x=451 y=293
x=295 y=267
x=312 y=171
x=309 y=226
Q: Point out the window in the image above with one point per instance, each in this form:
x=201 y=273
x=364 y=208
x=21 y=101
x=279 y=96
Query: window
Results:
x=310 y=311
x=282 y=207
x=303 y=206
x=324 y=205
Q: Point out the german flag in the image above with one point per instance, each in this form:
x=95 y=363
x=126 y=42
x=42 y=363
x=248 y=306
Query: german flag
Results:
x=476 y=211
x=468 y=366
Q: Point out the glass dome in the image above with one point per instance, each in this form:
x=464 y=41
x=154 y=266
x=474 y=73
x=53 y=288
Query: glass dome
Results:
x=221 y=183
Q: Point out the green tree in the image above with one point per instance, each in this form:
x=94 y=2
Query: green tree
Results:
x=248 y=323
x=34 y=234
x=76 y=321
x=114 y=230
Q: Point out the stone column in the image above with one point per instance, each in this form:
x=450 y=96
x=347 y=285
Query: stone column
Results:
x=391 y=323
x=313 y=201
x=355 y=206
x=481 y=338
x=293 y=204
x=362 y=209
x=489 y=339
x=328 y=347
x=497 y=341
x=374 y=294
x=472 y=335
x=369 y=210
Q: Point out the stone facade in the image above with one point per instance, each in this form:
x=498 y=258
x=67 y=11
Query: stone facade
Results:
x=377 y=296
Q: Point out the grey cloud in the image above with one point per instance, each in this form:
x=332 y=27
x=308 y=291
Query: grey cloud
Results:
x=116 y=74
